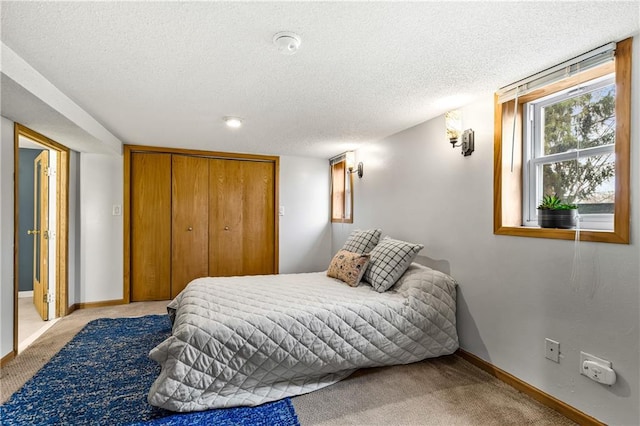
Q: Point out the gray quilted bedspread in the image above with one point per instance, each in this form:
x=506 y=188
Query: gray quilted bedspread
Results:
x=249 y=340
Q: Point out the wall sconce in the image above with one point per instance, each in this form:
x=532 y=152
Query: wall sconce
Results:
x=351 y=161
x=453 y=122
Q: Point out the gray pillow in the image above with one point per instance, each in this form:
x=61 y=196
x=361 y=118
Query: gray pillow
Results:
x=388 y=261
x=362 y=242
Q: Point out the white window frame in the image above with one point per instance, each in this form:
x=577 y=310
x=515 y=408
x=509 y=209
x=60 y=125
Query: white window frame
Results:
x=534 y=159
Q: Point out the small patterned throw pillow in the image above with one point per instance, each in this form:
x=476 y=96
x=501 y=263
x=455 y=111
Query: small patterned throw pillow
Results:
x=389 y=259
x=362 y=241
x=348 y=267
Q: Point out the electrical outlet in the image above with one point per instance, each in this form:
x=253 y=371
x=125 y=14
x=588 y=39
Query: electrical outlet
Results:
x=588 y=357
x=552 y=350
x=597 y=369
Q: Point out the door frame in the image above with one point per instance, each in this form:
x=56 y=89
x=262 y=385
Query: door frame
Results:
x=62 y=222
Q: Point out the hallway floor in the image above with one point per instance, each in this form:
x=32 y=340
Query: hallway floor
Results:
x=30 y=325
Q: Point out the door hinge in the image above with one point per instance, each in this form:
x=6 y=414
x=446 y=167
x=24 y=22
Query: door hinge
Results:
x=48 y=298
x=49 y=171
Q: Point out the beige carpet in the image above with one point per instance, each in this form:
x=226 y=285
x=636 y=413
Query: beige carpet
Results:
x=443 y=391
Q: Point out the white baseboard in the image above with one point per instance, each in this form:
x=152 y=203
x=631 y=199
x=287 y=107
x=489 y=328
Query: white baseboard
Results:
x=25 y=294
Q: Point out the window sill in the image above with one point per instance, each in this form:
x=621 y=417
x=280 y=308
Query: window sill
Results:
x=563 y=234
x=341 y=220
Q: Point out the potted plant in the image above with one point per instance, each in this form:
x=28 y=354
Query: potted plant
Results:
x=553 y=213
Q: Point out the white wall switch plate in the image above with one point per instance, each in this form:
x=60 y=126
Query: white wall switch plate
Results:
x=281 y=211
x=552 y=350
x=117 y=210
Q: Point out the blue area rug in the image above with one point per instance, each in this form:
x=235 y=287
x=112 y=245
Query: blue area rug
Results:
x=102 y=377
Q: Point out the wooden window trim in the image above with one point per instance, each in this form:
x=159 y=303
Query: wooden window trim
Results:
x=505 y=219
x=347 y=175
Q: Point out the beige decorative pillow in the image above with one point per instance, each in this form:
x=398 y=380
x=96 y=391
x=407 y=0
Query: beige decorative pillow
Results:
x=348 y=267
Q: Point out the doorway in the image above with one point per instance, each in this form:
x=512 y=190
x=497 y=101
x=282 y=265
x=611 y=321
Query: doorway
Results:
x=40 y=234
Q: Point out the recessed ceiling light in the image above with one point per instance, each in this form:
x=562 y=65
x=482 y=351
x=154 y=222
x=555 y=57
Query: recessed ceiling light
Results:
x=233 y=122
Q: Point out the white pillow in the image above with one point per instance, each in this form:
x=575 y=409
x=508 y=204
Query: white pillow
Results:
x=362 y=242
x=388 y=261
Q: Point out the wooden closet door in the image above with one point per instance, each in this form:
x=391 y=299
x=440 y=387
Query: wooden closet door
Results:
x=150 y=226
x=190 y=218
x=241 y=217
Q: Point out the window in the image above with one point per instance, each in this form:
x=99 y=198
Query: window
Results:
x=569 y=152
x=565 y=132
x=341 y=195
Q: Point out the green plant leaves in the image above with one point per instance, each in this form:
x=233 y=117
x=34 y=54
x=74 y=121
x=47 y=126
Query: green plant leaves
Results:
x=552 y=202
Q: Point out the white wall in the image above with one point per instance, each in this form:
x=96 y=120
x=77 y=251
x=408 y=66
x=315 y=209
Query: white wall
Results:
x=513 y=292
x=6 y=236
x=74 y=228
x=101 y=233
x=305 y=232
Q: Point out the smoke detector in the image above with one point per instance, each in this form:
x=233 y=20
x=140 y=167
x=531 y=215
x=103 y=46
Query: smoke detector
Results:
x=287 y=42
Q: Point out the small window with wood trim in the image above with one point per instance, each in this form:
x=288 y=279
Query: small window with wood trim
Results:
x=566 y=133
x=341 y=193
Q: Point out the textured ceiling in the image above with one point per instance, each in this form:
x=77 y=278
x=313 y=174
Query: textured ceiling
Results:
x=22 y=106
x=165 y=73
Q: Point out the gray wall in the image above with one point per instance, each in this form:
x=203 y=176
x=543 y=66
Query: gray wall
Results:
x=101 y=234
x=74 y=227
x=25 y=205
x=305 y=231
x=6 y=236
x=513 y=292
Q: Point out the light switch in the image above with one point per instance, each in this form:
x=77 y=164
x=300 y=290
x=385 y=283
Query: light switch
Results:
x=281 y=211
x=116 y=210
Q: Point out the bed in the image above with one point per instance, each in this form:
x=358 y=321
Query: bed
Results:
x=245 y=341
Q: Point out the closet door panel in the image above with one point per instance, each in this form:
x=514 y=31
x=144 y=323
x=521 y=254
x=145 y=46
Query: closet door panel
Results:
x=190 y=221
x=241 y=217
x=258 y=218
x=225 y=218
x=150 y=226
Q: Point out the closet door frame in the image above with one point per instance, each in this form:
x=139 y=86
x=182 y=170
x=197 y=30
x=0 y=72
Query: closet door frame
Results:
x=126 y=210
